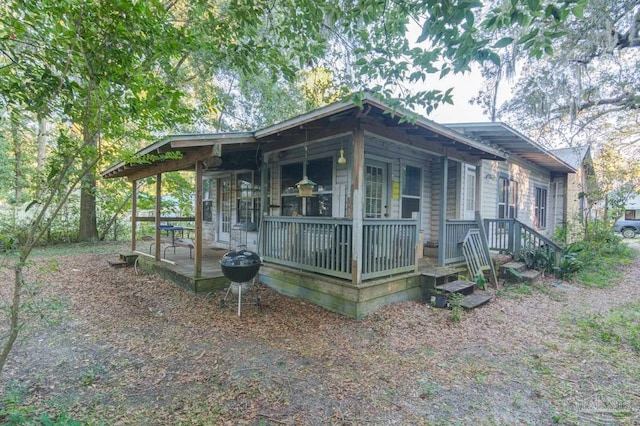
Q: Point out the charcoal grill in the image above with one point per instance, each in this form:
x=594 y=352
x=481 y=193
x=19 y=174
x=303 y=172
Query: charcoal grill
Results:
x=240 y=266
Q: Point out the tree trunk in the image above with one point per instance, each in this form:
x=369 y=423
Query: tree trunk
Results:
x=88 y=221
x=14 y=318
x=17 y=155
x=42 y=142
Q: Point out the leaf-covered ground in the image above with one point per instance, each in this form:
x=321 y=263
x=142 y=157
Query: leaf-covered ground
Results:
x=109 y=346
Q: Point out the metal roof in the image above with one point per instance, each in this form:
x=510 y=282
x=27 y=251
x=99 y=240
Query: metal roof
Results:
x=515 y=143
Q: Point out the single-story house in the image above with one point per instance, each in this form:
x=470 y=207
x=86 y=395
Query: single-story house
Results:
x=383 y=184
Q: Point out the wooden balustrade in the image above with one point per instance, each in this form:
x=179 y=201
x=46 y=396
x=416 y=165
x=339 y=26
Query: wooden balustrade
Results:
x=325 y=245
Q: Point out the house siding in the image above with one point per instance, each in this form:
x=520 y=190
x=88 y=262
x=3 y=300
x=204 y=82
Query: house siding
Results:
x=529 y=178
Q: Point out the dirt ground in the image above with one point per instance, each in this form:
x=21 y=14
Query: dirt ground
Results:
x=114 y=346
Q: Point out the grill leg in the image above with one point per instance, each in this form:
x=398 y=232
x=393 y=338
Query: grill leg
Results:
x=239 y=297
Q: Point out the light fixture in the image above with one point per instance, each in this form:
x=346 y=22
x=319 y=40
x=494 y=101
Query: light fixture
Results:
x=341 y=159
x=305 y=186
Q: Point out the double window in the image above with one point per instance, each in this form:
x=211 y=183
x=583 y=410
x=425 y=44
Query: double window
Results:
x=540 y=208
x=507 y=198
x=248 y=200
x=320 y=171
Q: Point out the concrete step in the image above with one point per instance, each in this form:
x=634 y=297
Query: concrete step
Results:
x=516 y=266
x=531 y=276
x=474 y=300
x=458 y=286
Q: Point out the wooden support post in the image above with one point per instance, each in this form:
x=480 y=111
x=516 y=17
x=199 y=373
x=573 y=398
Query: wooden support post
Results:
x=158 y=213
x=479 y=186
x=265 y=187
x=357 y=195
x=198 y=224
x=442 y=235
x=134 y=214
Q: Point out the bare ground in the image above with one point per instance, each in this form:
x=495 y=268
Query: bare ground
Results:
x=118 y=347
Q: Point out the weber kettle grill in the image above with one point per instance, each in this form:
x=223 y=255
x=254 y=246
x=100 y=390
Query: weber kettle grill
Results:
x=240 y=266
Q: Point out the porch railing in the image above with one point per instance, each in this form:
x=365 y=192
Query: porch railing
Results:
x=325 y=245
x=388 y=246
x=503 y=235
x=455 y=232
x=517 y=238
x=313 y=244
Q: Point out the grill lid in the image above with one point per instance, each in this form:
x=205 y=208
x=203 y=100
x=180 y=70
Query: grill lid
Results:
x=239 y=258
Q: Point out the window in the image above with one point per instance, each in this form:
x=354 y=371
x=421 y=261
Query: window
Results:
x=540 y=208
x=507 y=198
x=375 y=199
x=320 y=171
x=248 y=200
x=411 y=190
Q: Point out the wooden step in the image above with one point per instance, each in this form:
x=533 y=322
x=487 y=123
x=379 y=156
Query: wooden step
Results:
x=458 y=286
x=474 y=300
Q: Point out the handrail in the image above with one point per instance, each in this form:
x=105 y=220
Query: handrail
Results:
x=546 y=240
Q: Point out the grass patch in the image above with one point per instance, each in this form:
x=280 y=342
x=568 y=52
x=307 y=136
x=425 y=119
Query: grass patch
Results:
x=620 y=328
x=100 y=247
x=601 y=263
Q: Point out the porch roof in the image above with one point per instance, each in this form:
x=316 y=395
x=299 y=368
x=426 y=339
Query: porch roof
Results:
x=237 y=150
x=156 y=158
x=515 y=143
x=411 y=124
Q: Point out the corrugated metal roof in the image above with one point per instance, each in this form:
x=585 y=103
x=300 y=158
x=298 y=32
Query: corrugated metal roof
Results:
x=515 y=143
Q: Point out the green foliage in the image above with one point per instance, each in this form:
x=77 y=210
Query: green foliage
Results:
x=619 y=328
x=540 y=258
x=455 y=301
x=569 y=265
x=14 y=410
x=481 y=282
x=593 y=261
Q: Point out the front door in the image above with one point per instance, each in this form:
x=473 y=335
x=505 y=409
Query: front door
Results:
x=224 y=212
x=469 y=196
x=375 y=179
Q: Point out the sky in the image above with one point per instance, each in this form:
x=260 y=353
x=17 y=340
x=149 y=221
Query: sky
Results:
x=465 y=87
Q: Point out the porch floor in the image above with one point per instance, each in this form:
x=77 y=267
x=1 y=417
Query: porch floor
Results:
x=180 y=266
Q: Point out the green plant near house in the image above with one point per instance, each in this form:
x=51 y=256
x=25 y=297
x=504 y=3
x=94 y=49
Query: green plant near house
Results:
x=481 y=282
x=569 y=265
x=455 y=303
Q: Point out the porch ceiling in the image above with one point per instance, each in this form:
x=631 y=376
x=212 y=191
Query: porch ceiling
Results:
x=513 y=142
x=217 y=150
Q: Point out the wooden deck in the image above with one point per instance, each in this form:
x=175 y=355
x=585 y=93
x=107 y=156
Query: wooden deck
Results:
x=333 y=293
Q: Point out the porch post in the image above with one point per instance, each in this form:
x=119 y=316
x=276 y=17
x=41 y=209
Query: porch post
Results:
x=134 y=213
x=265 y=187
x=198 y=224
x=357 y=197
x=158 y=212
x=442 y=235
x=479 y=186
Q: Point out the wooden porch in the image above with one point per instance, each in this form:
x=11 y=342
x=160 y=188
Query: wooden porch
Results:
x=334 y=293
x=312 y=258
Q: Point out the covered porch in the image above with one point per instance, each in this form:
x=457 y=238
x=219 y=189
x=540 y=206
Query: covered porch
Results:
x=357 y=243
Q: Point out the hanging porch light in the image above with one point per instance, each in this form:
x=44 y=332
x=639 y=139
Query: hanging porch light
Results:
x=305 y=186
